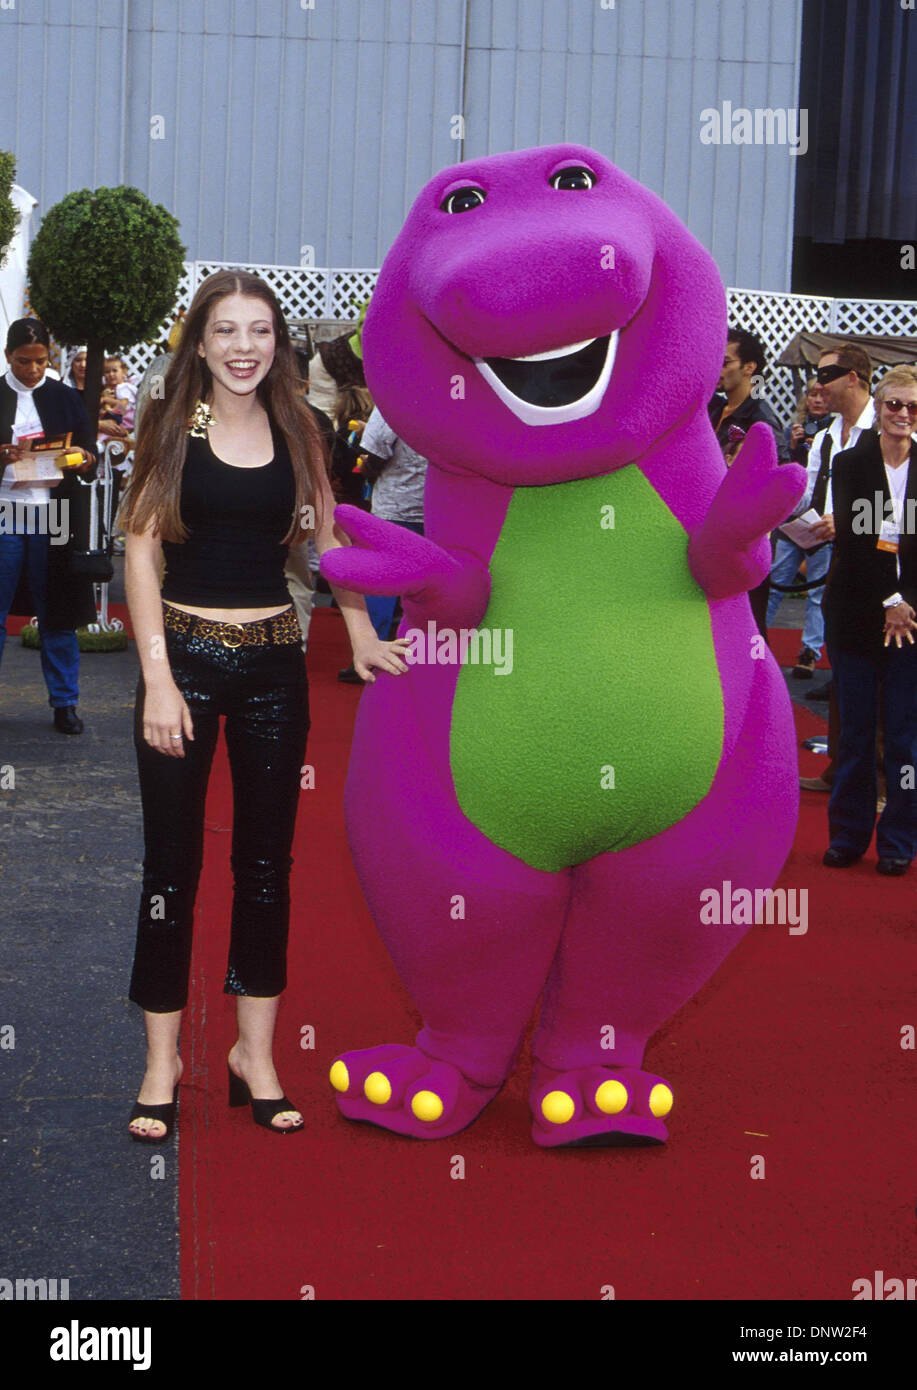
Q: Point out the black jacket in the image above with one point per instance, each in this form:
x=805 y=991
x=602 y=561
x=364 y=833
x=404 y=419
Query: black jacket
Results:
x=861 y=575
x=71 y=601
x=745 y=415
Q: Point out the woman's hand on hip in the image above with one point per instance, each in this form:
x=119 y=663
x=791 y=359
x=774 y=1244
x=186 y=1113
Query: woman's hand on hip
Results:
x=899 y=622
x=167 y=721
x=387 y=656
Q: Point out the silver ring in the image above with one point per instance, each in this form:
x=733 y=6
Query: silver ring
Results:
x=174 y=735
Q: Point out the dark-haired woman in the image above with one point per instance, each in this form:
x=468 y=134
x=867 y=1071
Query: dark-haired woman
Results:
x=76 y=374
x=227 y=467
x=40 y=521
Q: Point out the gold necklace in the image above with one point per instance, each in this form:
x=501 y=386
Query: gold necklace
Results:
x=202 y=417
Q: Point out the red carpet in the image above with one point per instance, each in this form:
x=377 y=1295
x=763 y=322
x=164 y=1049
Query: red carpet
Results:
x=16 y=622
x=785 y=643
x=792 y=1052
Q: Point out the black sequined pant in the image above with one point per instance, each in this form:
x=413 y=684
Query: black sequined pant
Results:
x=263 y=693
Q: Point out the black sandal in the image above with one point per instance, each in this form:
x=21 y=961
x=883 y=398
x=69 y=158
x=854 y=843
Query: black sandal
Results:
x=165 y=1114
x=263 y=1111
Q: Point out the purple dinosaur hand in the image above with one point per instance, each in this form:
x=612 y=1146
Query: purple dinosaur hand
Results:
x=389 y=559
x=729 y=553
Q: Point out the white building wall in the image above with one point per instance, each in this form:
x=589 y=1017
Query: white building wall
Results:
x=267 y=126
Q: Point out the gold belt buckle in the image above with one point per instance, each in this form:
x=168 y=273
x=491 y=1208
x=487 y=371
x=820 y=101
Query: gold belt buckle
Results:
x=225 y=640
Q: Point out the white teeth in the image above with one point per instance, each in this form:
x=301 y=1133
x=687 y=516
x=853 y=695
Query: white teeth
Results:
x=553 y=414
x=555 y=352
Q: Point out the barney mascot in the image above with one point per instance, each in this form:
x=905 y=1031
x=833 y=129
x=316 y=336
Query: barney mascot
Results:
x=591 y=738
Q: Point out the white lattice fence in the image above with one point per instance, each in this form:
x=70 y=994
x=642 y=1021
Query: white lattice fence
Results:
x=874 y=316
x=301 y=290
x=775 y=319
x=348 y=289
x=306 y=294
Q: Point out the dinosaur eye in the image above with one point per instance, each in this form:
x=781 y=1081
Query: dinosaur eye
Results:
x=576 y=177
x=462 y=200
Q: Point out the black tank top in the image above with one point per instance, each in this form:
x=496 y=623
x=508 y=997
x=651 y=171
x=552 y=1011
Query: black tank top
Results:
x=237 y=517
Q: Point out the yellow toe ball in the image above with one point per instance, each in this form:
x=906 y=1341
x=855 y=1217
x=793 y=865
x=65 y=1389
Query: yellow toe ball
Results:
x=377 y=1088
x=611 y=1097
x=661 y=1100
x=427 y=1105
x=558 y=1107
x=339 y=1076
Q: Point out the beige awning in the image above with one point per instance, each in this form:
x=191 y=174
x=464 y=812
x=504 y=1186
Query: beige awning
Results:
x=885 y=349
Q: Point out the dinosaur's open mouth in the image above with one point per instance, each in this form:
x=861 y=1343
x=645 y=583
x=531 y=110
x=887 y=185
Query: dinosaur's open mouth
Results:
x=549 y=388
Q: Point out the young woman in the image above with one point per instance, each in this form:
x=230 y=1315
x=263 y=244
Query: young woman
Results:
x=35 y=406
x=228 y=465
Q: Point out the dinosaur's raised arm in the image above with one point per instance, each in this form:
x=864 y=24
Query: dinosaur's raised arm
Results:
x=729 y=553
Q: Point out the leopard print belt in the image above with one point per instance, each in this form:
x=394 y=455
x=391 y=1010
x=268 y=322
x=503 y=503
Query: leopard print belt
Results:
x=280 y=631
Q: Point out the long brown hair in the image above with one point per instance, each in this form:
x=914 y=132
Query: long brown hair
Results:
x=352 y=403
x=154 y=493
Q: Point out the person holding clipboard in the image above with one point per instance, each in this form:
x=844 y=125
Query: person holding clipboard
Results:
x=35 y=408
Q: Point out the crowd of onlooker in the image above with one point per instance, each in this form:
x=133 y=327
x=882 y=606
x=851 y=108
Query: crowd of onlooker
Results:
x=856 y=444
x=854 y=537
x=838 y=429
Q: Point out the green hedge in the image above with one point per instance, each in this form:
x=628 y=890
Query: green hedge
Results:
x=89 y=641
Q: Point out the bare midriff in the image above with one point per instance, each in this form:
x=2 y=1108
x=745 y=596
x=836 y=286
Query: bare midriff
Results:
x=230 y=615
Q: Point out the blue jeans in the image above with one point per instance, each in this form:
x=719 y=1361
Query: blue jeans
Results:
x=381 y=607
x=60 y=651
x=787 y=559
x=861 y=683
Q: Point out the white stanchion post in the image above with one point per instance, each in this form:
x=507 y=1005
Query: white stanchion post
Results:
x=100 y=524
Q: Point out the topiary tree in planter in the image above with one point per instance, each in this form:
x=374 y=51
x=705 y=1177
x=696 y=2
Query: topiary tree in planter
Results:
x=9 y=213
x=104 y=270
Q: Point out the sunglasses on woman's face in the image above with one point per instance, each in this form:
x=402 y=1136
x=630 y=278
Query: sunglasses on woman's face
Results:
x=895 y=406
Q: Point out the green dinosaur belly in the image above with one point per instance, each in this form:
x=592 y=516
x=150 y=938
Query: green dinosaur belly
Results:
x=606 y=724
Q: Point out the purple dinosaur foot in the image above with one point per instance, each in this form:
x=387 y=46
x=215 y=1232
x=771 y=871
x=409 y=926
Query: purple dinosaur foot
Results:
x=401 y=1089
x=596 y=1106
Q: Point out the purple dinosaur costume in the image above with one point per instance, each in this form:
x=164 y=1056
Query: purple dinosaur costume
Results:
x=592 y=736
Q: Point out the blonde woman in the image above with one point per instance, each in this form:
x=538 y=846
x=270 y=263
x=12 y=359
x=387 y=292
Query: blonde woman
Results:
x=871 y=618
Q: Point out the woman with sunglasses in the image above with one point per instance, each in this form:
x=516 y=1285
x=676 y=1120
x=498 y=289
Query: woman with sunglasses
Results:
x=229 y=471
x=870 y=610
